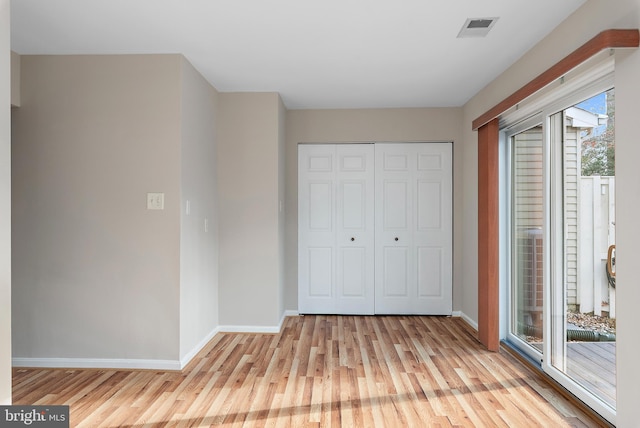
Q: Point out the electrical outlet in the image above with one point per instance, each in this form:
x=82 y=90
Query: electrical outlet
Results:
x=155 y=201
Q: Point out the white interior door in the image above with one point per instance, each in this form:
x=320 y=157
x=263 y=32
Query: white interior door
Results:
x=413 y=232
x=336 y=228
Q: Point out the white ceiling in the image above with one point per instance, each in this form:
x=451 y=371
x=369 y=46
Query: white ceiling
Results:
x=315 y=53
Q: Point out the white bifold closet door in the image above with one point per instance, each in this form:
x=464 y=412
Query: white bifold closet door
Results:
x=375 y=228
x=413 y=267
x=336 y=228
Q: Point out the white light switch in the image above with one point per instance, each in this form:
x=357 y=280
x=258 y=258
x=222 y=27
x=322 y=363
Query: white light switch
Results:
x=155 y=201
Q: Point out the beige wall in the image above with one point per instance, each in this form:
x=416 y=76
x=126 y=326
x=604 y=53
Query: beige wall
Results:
x=198 y=242
x=282 y=189
x=5 y=208
x=248 y=179
x=369 y=125
x=15 y=79
x=96 y=274
x=586 y=22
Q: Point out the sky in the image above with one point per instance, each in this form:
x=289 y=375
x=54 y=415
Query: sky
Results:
x=597 y=104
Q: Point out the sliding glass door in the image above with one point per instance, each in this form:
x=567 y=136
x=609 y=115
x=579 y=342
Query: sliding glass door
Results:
x=561 y=222
x=527 y=249
x=582 y=316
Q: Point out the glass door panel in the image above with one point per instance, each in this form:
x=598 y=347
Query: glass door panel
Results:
x=582 y=313
x=527 y=216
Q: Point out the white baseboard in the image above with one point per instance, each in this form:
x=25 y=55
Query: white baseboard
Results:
x=235 y=329
x=286 y=314
x=248 y=329
x=96 y=363
x=466 y=319
x=257 y=329
x=189 y=356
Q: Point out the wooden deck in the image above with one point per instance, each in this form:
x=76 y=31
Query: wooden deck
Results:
x=320 y=371
x=593 y=365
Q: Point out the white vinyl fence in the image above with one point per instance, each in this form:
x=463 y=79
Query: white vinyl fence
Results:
x=596 y=231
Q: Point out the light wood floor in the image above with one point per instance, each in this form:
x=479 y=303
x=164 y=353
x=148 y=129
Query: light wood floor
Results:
x=320 y=371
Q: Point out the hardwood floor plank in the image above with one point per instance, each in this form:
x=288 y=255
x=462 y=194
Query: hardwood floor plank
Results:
x=320 y=371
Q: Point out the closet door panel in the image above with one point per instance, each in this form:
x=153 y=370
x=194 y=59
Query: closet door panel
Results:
x=316 y=229
x=433 y=235
x=335 y=229
x=413 y=200
x=394 y=271
x=355 y=228
x=318 y=278
x=395 y=276
x=430 y=271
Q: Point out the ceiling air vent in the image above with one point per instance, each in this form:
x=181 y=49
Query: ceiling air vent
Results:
x=477 y=27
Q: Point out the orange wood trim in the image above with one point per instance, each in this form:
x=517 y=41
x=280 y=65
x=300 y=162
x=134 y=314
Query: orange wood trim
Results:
x=608 y=39
x=488 y=224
